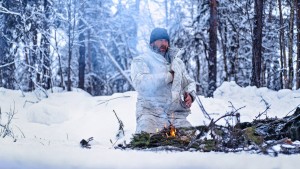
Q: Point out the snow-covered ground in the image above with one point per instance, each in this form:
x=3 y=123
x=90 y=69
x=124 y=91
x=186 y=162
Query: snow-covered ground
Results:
x=48 y=130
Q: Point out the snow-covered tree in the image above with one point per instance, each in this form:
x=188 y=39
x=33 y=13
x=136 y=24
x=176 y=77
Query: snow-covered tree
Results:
x=9 y=17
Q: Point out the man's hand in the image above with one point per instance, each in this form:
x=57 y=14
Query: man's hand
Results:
x=188 y=100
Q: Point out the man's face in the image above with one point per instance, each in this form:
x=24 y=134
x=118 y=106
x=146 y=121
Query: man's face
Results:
x=160 y=46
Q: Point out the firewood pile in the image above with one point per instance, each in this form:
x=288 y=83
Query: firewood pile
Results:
x=264 y=136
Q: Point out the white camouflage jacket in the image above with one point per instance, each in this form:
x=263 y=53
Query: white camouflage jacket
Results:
x=158 y=101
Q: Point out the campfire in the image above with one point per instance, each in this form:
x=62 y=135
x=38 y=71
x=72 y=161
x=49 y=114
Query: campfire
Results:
x=170 y=130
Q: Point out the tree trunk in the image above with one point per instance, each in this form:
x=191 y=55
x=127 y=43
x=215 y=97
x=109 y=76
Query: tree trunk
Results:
x=298 y=46
x=224 y=48
x=69 y=83
x=263 y=72
x=257 y=43
x=291 y=38
x=198 y=68
x=7 y=58
x=234 y=52
x=46 y=68
x=89 y=87
x=268 y=62
x=34 y=72
x=60 y=70
x=282 y=48
x=81 y=60
x=212 y=58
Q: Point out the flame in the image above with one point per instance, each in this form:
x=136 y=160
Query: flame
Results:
x=172 y=131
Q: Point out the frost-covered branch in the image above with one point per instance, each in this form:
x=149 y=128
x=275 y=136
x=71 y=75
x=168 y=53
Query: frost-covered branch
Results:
x=112 y=59
x=8 y=64
x=6 y=11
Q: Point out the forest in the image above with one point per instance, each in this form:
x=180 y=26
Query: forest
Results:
x=89 y=44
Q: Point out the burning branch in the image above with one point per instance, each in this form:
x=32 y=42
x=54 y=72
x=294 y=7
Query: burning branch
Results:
x=171 y=130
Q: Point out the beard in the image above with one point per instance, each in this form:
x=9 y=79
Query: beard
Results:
x=162 y=50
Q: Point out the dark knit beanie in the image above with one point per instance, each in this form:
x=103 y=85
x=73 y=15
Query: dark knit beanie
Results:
x=159 y=33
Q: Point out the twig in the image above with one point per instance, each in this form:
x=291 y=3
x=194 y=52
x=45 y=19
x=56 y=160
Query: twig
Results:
x=226 y=115
x=121 y=125
x=28 y=102
x=267 y=108
x=113 y=144
x=121 y=129
x=292 y=110
x=105 y=101
x=206 y=115
x=236 y=110
x=266 y=103
x=41 y=89
x=6 y=127
x=193 y=140
x=21 y=131
x=231 y=114
x=264 y=112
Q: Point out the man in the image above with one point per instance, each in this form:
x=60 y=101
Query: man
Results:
x=165 y=90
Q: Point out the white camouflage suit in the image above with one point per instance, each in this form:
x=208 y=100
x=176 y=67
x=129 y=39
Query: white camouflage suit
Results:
x=158 y=100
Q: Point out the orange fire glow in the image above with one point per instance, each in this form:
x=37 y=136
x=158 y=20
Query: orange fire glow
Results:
x=172 y=131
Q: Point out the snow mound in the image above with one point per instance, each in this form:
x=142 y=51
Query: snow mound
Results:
x=255 y=100
x=59 y=107
x=46 y=115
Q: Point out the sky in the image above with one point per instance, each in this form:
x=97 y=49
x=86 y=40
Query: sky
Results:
x=47 y=131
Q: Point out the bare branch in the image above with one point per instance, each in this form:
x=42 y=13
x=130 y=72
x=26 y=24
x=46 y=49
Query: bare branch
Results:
x=7 y=130
x=121 y=125
x=106 y=101
x=293 y=110
x=266 y=110
x=206 y=115
x=6 y=11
